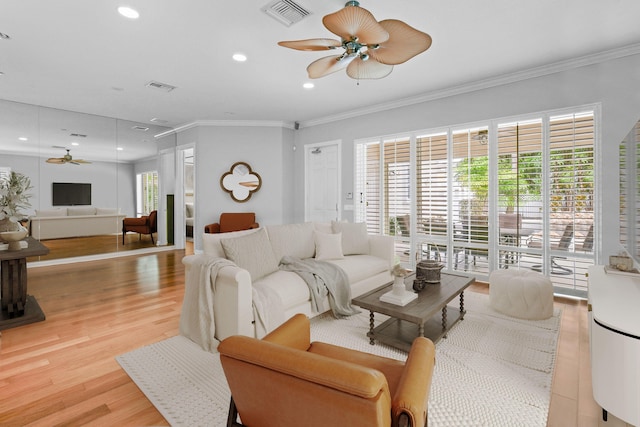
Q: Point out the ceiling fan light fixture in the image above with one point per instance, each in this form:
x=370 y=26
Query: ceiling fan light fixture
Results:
x=371 y=48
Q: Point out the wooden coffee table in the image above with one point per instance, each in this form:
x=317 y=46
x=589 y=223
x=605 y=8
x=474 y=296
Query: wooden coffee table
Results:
x=417 y=318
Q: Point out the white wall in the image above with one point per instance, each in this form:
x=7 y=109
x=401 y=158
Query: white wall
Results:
x=614 y=84
x=268 y=150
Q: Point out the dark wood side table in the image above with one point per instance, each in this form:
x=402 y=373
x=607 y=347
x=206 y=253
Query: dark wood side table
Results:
x=18 y=308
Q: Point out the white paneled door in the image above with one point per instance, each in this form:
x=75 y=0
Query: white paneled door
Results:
x=322 y=182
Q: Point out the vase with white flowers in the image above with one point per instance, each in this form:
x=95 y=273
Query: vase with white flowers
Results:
x=398 y=295
x=14 y=197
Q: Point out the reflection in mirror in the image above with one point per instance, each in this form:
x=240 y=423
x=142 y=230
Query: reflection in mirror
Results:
x=630 y=192
x=83 y=171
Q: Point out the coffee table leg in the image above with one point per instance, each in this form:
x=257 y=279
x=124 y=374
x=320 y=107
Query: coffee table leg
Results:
x=371 y=328
x=421 y=330
x=462 y=305
x=444 y=321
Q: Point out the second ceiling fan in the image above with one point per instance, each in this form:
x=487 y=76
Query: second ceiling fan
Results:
x=67 y=158
x=371 y=48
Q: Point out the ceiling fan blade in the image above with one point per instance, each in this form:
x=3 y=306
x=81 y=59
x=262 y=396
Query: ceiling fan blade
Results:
x=328 y=65
x=80 y=161
x=311 y=44
x=404 y=43
x=56 y=160
x=352 y=21
x=369 y=69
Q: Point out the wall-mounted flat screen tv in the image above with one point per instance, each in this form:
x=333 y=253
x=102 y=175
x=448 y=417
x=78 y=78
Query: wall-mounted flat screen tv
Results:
x=71 y=194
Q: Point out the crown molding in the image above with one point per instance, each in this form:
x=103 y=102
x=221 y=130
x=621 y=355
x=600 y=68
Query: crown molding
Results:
x=226 y=123
x=517 y=76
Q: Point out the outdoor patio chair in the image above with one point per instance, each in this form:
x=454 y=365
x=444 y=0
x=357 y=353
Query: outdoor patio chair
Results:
x=562 y=245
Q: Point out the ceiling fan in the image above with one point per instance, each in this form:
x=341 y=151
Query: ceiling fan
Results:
x=371 y=48
x=67 y=158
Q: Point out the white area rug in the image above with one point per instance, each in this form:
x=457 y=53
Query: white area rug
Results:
x=492 y=370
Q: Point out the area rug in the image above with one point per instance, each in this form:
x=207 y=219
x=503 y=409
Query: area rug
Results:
x=491 y=370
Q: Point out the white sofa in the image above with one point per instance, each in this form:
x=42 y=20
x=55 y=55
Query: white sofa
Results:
x=367 y=262
x=75 y=221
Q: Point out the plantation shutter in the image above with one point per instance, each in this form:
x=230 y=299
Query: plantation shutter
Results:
x=397 y=186
x=431 y=203
x=368 y=186
x=571 y=166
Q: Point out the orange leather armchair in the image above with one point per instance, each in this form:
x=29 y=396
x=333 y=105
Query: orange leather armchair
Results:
x=285 y=380
x=233 y=222
x=144 y=225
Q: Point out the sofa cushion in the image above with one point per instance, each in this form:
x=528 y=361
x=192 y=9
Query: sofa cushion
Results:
x=51 y=212
x=323 y=227
x=107 y=211
x=289 y=286
x=328 y=246
x=211 y=242
x=80 y=210
x=295 y=240
x=355 y=239
x=252 y=252
x=360 y=267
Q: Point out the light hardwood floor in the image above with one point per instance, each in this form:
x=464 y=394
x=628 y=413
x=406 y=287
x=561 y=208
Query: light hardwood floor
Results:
x=62 y=371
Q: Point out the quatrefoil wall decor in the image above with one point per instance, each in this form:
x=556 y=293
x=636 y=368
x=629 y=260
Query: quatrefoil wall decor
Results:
x=240 y=182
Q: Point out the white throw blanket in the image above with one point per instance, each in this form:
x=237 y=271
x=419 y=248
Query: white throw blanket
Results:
x=196 y=319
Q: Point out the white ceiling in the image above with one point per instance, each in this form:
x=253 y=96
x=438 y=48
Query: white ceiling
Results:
x=83 y=56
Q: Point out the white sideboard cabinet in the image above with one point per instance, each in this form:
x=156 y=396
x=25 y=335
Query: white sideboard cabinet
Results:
x=614 y=334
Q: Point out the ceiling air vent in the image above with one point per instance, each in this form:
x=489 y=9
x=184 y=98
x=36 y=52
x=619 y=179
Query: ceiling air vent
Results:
x=286 y=12
x=78 y=135
x=140 y=128
x=162 y=86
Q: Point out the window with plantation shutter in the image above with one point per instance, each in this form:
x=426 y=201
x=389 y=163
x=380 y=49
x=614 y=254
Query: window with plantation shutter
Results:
x=630 y=192
x=147 y=192
x=507 y=193
x=368 y=186
x=431 y=182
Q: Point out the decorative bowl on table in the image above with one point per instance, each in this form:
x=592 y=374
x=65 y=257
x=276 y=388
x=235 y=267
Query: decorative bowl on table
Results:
x=13 y=238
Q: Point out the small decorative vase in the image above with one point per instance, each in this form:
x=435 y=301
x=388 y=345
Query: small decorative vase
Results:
x=13 y=238
x=7 y=225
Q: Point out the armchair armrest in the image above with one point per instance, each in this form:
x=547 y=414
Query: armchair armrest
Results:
x=409 y=404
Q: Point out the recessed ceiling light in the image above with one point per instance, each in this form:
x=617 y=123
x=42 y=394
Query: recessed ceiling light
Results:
x=120 y=149
x=240 y=57
x=23 y=138
x=308 y=85
x=128 y=12
x=75 y=144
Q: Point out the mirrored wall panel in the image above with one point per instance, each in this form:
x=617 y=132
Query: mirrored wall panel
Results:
x=91 y=176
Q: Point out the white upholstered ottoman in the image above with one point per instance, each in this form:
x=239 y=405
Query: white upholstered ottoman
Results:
x=524 y=294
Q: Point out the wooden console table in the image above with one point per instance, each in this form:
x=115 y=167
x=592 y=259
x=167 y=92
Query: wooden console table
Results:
x=18 y=308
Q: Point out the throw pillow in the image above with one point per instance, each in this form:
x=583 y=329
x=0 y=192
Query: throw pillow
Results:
x=292 y=239
x=81 y=210
x=252 y=252
x=106 y=211
x=328 y=246
x=211 y=241
x=355 y=240
x=51 y=212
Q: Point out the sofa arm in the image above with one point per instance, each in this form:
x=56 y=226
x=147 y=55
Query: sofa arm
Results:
x=409 y=404
x=212 y=228
x=382 y=247
x=233 y=302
